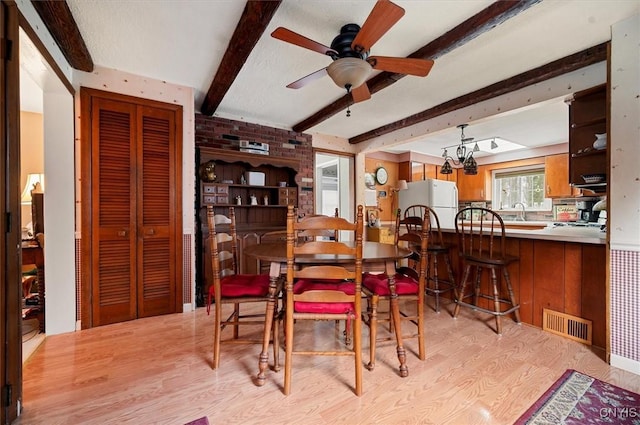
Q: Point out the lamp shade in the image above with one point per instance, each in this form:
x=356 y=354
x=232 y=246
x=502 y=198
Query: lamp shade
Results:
x=34 y=182
x=470 y=166
x=349 y=72
x=446 y=168
x=402 y=185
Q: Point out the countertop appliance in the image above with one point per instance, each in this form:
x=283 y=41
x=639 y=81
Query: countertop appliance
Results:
x=440 y=195
x=585 y=211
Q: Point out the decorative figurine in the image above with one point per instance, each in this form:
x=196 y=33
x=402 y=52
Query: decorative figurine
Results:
x=207 y=173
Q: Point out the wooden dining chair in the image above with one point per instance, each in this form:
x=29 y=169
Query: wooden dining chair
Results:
x=280 y=236
x=438 y=249
x=230 y=287
x=326 y=290
x=482 y=246
x=410 y=286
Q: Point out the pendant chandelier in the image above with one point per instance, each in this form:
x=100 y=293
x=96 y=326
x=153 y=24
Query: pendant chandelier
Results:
x=464 y=155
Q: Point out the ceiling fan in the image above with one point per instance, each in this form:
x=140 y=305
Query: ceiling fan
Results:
x=349 y=50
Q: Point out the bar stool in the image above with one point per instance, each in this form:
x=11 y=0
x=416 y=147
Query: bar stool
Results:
x=481 y=244
x=437 y=248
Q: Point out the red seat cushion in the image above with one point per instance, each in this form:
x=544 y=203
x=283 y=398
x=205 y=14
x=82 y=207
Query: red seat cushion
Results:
x=304 y=285
x=243 y=285
x=377 y=283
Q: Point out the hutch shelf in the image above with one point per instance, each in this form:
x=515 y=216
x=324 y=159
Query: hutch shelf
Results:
x=258 y=208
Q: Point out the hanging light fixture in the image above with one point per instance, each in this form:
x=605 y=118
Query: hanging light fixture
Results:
x=349 y=73
x=465 y=156
x=349 y=68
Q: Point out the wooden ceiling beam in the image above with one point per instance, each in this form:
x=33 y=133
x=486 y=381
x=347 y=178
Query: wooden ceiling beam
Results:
x=254 y=20
x=483 y=21
x=58 y=19
x=553 y=69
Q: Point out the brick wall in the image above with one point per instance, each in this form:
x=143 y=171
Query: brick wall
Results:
x=223 y=133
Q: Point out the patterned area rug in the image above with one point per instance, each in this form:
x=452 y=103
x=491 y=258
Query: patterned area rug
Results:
x=200 y=421
x=579 y=399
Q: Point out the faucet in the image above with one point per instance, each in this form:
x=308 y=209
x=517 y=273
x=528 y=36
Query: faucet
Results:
x=521 y=214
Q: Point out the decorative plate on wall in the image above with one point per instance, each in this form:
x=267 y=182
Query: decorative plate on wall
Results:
x=370 y=180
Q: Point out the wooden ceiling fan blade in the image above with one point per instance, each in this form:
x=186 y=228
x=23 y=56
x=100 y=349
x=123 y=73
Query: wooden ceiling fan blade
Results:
x=409 y=66
x=289 y=36
x=361 y=93
x=383 y=16
x=308 y=79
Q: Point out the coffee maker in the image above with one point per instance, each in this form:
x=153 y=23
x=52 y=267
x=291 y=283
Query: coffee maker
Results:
x=585 y=212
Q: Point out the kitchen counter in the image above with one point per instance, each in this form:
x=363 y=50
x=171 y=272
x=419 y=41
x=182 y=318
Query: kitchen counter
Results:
x=580 y=234
x=560 y=268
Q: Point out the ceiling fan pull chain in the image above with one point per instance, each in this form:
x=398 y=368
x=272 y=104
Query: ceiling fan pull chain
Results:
x=348 y=112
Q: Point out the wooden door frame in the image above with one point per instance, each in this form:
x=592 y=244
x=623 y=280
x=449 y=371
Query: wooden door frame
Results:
x=86 y=96
x=10 y=227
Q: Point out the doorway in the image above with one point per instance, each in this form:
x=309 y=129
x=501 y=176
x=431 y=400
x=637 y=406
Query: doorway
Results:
x=46 y=101
x=334 y=184
x=26 y=61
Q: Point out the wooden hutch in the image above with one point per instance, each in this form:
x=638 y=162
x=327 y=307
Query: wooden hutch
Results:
x=231 y=188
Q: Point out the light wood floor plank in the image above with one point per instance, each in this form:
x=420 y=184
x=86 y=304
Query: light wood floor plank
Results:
x=158 y=371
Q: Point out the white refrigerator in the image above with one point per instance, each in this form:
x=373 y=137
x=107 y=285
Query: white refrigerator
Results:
x=441 y=196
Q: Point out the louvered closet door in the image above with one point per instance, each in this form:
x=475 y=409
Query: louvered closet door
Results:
x=135 y=212
x=113 y=212
x=157 y=187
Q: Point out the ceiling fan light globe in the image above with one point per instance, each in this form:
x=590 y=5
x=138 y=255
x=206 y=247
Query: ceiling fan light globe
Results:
x=352 y=72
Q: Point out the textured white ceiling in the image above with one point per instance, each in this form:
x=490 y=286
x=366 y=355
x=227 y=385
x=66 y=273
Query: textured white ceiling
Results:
x=183 y=42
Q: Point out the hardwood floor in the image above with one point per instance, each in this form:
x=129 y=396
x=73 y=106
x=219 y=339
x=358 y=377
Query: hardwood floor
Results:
x=158 y=371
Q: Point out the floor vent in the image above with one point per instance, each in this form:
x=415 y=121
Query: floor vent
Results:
x=567 y=325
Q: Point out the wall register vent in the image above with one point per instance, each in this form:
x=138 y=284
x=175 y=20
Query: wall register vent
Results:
x=572 y=327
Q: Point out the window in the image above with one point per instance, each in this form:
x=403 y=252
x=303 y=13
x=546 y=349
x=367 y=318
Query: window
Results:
x=520 y=185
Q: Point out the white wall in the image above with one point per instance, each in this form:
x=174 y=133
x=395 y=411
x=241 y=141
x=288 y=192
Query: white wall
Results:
x=624 y=217
x=59 y=206
x=624 y=196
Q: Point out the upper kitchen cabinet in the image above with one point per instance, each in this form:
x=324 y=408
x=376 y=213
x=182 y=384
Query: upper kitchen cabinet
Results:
x=413 y=171
x=474 y=187
x=588 y=166
x=556 y=174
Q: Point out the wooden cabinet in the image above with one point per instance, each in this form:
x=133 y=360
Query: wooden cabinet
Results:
x=588 y=117
x=287 y=196
x=131 y=208
x=231 y=168
x=556 y=176
x=267 y=214
x=413 y=171
x=566 y=277
x=473 y=187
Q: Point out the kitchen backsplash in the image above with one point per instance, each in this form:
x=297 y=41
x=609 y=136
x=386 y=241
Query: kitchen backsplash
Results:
x=563 y=209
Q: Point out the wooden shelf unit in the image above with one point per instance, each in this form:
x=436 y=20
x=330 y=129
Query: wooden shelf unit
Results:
x=252 y=220
x=587 y=117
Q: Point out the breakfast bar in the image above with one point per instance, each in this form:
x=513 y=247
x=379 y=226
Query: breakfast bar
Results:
x=561 y=269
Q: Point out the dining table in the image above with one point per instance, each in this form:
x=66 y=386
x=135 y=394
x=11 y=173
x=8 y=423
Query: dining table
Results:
x=376 y=257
